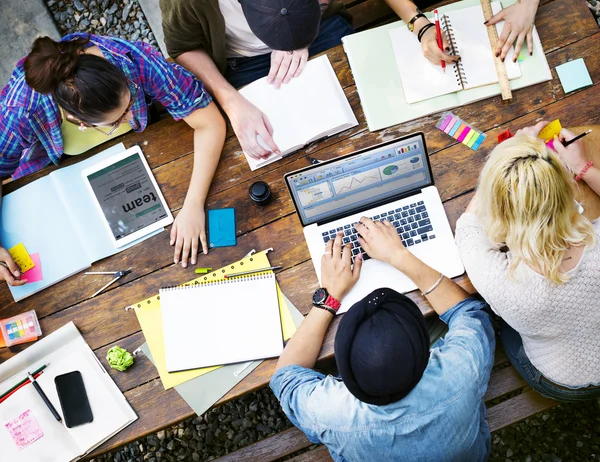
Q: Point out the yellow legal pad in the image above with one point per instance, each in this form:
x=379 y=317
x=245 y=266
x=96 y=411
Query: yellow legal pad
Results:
x=21 y=257
x=150 y=319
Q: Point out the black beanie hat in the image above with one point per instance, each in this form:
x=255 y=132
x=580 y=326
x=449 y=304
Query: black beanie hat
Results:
x=382 y=347
x=284 y=25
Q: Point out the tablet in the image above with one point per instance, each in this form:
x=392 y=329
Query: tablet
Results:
x=127 y=196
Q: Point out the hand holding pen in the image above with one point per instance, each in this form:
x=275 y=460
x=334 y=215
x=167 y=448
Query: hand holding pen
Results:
x=434 y=44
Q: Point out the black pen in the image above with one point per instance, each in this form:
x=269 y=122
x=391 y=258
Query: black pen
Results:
x=44 y=397
x=566 y=143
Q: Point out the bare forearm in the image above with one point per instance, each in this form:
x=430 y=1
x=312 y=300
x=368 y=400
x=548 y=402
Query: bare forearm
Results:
x=445 y=296
x=304 y=347
x=208 y=145
x=592 y=178
x=403 y=8
x=202 y=66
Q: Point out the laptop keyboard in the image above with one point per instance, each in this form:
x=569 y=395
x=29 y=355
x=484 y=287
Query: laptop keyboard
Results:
x=411 y=221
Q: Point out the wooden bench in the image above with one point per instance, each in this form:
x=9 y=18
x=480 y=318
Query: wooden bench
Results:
x=508 y=398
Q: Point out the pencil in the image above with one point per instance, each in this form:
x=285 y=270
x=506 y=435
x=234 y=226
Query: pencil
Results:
x=251 y=271
x=566 y=143
x=25 y=380
x=5 y=397
x=44 y=397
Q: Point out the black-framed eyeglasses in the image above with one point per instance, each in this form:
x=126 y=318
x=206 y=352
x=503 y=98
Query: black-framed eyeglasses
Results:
x=115 y=125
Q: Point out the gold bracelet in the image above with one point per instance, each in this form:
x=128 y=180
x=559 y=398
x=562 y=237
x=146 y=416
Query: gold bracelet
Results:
x=433 y=287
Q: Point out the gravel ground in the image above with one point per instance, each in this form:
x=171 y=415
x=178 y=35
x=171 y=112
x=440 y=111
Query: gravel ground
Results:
x=121 y=18
x=566 y=433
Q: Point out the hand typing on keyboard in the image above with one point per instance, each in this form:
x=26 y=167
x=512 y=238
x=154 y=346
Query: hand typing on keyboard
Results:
x=380 y=239
x=338 y=275
x=411 y=222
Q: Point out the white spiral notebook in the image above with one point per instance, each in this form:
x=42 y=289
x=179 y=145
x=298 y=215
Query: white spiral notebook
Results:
x=468 y=38
x=223 y=322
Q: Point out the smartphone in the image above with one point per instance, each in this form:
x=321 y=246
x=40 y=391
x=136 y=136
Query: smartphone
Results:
x=73 y=399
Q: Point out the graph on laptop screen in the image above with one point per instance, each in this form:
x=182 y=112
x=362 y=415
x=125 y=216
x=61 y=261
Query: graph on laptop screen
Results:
x=360 y=180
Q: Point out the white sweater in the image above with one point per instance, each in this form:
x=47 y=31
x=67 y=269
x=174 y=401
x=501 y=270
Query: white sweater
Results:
x=559 y=324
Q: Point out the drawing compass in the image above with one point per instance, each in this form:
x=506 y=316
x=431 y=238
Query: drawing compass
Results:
x=116 y=274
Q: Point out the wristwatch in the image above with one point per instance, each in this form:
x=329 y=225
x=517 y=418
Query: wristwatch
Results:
x=322 y=299
x=411 y=23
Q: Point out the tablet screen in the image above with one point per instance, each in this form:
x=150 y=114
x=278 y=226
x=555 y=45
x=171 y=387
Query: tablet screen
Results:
x=127 y=196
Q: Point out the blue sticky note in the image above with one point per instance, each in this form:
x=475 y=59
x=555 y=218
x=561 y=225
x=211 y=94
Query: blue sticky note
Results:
x=221 y=228
x=573 y=75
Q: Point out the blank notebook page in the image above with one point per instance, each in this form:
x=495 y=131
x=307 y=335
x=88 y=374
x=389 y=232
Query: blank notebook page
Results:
x=220 y=323
x=474 y=47
x=309 y=105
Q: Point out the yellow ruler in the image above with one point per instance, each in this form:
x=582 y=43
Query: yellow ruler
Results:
x=493 y=36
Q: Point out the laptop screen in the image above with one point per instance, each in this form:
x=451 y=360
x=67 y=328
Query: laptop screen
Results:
x=359 y=180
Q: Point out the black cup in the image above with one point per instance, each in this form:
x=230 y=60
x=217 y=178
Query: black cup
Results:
x=260 y=193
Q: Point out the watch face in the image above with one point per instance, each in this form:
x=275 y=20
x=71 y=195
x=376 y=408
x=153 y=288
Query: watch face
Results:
x=319 y=296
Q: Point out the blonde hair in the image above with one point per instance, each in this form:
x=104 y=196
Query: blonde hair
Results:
x=526 y=200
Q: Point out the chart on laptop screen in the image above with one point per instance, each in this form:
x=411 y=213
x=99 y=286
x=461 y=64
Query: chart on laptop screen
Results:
x=360 y=180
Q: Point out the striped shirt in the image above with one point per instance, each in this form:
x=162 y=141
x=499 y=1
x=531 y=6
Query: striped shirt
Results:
x=30 y=135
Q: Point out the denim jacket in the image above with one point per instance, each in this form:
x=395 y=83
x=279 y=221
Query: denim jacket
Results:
x=441 y=419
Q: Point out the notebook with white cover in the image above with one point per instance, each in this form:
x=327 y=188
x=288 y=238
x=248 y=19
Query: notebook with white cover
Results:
x=221 y=322
x=467 y=37
x=311 y=107
x=28 y=431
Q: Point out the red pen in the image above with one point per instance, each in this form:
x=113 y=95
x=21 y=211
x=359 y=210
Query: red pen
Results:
x=12 y=392
x=438 y=31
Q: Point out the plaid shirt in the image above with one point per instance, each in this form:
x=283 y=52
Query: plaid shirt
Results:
x=30 y=135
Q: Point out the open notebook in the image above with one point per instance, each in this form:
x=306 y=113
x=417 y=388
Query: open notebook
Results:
x=467 y=37
x=311 y=107
x=222 y=322
x=57 y=217
x=28 y=430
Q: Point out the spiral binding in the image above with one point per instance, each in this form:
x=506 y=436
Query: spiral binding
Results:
x=459 y=70
x=248 y=277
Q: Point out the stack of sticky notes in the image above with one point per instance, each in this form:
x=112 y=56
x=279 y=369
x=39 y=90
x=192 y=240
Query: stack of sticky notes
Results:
x=460 y=130
x=573 y=75
x=20 y=329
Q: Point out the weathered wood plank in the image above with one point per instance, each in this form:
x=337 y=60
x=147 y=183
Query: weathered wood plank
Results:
x=320 y=454
x=269 y=449
x=516 y=409
x=503 y=382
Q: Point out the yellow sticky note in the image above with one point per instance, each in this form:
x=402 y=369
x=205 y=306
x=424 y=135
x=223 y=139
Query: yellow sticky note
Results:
x=21 y=257
x=548 y=132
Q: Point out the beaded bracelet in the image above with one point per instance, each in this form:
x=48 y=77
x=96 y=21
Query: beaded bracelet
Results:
x=424 y=29
x=585 y=168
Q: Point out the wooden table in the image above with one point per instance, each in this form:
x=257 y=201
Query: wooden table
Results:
x=567 y=30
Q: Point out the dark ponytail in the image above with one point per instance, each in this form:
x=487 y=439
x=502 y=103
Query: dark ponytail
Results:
x=85 y=85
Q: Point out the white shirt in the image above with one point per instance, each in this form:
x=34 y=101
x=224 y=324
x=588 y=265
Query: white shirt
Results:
x=240 y=40
x=557 y=322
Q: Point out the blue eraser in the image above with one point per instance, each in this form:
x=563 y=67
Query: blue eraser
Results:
x=221 y=228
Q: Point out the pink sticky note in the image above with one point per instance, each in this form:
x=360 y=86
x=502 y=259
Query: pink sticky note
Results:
x=24 y=430
x=463 y=134
x=35 y=273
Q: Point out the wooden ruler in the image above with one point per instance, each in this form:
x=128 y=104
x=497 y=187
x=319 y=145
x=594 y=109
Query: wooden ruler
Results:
x=493 y=36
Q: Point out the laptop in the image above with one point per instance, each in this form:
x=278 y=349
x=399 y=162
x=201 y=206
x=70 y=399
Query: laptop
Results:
x=391 y=181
